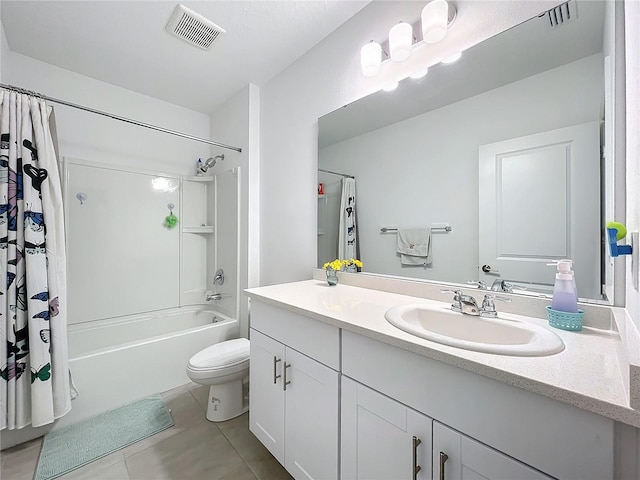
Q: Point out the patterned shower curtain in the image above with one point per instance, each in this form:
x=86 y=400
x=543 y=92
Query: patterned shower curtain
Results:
x=34 y=368
x=348 y=231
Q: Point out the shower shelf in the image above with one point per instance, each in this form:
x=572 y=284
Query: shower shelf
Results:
x=202 y=229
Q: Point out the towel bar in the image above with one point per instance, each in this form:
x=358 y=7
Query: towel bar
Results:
x=446 y=228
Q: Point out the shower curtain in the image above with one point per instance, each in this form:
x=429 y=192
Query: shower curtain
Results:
x=34 y=366
x=347 y=233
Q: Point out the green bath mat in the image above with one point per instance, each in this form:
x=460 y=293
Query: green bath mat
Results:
x=79 y=444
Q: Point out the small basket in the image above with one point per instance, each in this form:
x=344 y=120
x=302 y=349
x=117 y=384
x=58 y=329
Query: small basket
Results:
x=565 y=320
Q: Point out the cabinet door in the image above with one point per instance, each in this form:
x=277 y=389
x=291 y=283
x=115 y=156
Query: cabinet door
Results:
x=378 y=437
x=311 y=418
x=457 y=457
x=266 y=394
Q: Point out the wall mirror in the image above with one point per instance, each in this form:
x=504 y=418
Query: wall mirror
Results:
x=509 y=147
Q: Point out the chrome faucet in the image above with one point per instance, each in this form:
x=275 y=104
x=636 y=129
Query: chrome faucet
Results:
x=463 y=303
x=504 y=286
x=214 y=296
x=479 y=283
x=467 y=305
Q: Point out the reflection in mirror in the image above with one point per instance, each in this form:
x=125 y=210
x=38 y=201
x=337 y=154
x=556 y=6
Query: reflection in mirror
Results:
x=504 y=146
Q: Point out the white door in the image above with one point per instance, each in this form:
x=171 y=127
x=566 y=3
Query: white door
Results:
x=539 y=201
x=311 y=418
x=378 y=437
x=266 y=401
x=457 y=457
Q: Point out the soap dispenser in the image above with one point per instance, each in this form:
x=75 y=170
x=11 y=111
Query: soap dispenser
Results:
x=565 y=296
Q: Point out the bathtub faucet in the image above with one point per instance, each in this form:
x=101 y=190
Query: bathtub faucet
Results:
x=213 y=296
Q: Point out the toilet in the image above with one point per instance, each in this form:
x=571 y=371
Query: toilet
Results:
x=223 y=366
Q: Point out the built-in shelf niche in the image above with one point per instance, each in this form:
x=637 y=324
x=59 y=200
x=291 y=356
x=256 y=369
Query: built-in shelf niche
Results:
x=197 y=227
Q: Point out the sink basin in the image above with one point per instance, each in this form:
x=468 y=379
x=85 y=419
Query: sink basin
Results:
x=505 y=336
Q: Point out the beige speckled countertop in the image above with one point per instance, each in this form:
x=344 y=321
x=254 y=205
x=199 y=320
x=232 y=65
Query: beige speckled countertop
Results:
x=586 y=374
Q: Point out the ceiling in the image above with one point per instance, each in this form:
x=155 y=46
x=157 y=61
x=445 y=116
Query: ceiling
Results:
x=125 y=43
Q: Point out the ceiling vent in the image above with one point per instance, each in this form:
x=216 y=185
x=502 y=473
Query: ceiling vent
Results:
x=193 y=27
x=561 y=14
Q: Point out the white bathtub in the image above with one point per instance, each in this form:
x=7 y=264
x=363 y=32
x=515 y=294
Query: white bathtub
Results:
x=117 y=361
x=114 y=362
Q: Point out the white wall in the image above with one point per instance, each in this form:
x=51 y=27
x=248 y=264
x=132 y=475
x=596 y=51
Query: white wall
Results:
x=632 y=20
x=424 y=170
x=324 y=79
x=93 y=137
x=236 y=122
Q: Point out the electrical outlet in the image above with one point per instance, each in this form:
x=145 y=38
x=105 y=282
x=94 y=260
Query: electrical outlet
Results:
x=635 y=245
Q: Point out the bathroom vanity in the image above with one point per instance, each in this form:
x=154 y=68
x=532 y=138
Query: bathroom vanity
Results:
x=339 y=392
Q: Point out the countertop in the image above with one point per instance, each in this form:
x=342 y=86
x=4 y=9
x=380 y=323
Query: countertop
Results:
x=586 y=374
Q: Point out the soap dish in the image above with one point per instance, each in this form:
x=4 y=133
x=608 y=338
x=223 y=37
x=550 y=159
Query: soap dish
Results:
x=565 y=320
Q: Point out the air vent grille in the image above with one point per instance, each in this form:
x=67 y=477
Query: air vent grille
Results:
x=561 y=14
x=193 y=27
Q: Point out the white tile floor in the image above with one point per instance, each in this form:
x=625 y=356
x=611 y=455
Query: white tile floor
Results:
x=192 y=449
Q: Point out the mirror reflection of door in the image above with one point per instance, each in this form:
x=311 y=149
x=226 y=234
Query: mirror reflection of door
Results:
x=537 y=205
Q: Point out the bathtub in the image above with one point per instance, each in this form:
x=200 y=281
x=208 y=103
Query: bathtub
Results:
x=116 y=361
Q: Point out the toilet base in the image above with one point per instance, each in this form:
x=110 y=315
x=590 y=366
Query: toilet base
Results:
x=226 y=401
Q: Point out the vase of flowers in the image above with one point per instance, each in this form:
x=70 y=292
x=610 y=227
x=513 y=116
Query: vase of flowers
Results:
x=333 y=267
x=332 y=271
x=351 y=265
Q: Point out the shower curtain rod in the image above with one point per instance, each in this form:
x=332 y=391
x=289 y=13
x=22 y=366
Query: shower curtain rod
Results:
x=335 y=173
x=117 y=117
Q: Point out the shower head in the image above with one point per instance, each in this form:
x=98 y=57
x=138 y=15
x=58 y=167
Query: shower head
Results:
x=210 y=162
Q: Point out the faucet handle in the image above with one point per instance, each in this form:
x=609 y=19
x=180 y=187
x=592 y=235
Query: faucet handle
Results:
x=479 y=283
x=488 y=308
x=457 y=295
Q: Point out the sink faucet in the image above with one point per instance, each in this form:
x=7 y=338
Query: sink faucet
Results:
x=463 y=303
x=504 y=286
x=467 y=304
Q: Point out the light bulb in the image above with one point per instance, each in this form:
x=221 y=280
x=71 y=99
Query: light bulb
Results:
x=400 y=40
x=419 y=73
x=434 y=19
x=390 y=87
x=452 y=58
x=370 y=59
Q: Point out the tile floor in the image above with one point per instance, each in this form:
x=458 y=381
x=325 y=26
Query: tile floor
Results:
x=193 y=449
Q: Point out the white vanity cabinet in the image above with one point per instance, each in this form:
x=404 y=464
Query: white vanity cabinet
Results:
x=381 y=438
x=458 y=457
x=294 y=390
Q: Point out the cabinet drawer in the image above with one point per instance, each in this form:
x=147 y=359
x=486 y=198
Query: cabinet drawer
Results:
x=315 y=339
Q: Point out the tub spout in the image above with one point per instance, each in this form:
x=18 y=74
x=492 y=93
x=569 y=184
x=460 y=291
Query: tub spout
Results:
x=213 y=296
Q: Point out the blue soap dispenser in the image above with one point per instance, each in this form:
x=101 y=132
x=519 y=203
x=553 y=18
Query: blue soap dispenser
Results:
x=565 y=296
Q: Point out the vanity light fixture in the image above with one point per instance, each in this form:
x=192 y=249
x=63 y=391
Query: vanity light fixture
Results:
x=452 y=58
x=436 y=18
x=400 y=41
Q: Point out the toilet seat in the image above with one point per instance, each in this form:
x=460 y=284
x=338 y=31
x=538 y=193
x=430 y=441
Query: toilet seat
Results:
x=221 y=359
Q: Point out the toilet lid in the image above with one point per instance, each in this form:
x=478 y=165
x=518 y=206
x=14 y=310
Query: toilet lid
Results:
x=221 y=355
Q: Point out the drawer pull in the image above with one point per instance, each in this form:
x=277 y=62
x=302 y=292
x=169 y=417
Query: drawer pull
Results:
x=414 y=456
x=285 y=382
x=275 y=364
x=443 y=459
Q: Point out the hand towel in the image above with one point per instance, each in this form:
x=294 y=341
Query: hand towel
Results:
x=414 y=246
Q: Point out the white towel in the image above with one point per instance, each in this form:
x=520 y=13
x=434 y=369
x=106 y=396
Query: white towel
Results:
x=414 y=246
